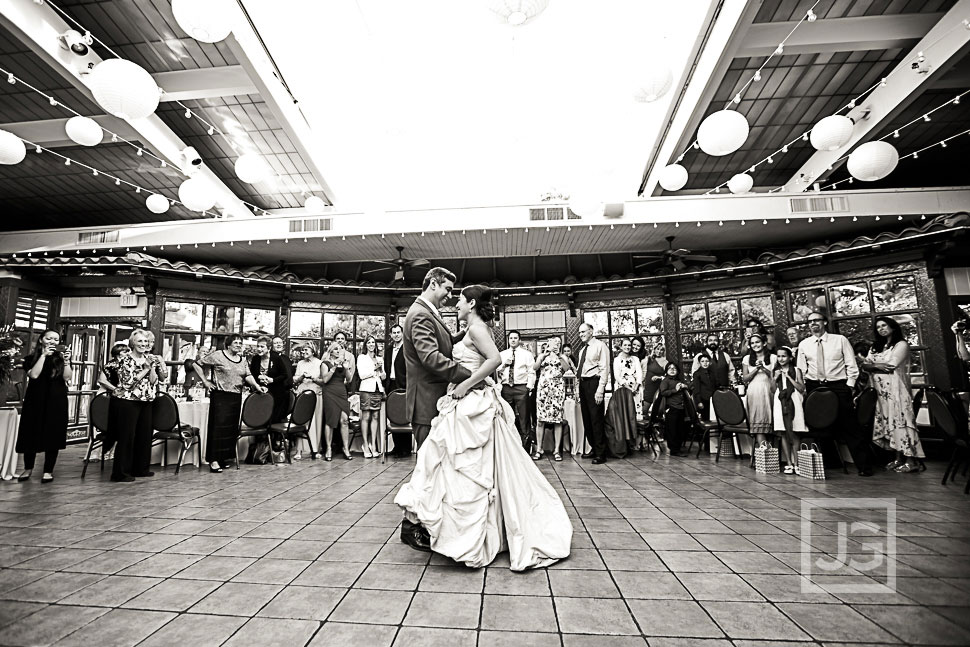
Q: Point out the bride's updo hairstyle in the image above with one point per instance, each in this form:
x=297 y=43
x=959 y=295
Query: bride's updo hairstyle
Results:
x=482 y=295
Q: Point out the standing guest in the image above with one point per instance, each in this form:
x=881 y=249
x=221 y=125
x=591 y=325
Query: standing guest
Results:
x=131 y=424
x=279 y=347
x=518 y=381
x=191 y=379
x=269 y=370
x=653 y=369
x=335 y=370
x=895 y=423
x=567 y=350
x=593 y=371
x=958 y=329
x=551 y=395
x=230 y=375
x=370 y=369
x=754 y=326
x=109 y=380
x=306 y=377
x=789 y=412
x=639 y=349
x=673 y=388
x=395 y=368
x=721 y=363
x=793 y=338
x=705 y=384
x=627 y=390
x=758 y=368
x=347 y=360
x=11 y=389
x=43 y=419
x=861 y=349
x=827 y=360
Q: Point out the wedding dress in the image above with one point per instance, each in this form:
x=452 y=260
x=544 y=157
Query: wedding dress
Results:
x=475 y=489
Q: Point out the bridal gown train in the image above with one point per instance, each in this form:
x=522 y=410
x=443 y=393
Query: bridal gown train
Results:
x=476 y=490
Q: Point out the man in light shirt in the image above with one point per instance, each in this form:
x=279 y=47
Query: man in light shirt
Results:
x=828 y=361
x=518 y=381
x=593 y=370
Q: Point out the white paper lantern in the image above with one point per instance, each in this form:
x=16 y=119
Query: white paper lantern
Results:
x=84 y=131
x=516 y=12
x=873 y=161
x=12 y=149
x=314 y=204
x=673 y=177
x=204 y=20
x=157 y=203
x=252 y=168
x=124 y=89
x=723 y=132
x=831 y=133
x=195 y=194
x=655 y=85
x=740 y=183
x=586 y=207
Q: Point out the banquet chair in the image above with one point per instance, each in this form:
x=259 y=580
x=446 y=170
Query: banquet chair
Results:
x=948 y=416
x=396 y=419
x=257 y=411
x=167 y=426
x=297 y=424
x=731 y=418
x=821 y=412
x=97 y=427
x=700 y=429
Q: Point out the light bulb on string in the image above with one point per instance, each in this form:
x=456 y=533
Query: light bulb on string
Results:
x=67 y=162
x=140 y=152
x=698 y=223
x=117 y=182
x=831 y=218
x=787 y=221
x=915 y=155
x=926 y=118
x=654 y=225
x=743 y=223
x=895 y=134
x=784 y=149
x=943 y=144
x=757 y=75
x=53 y=102
x=720 y=223
x=211 y=130
x=771 y=160
x=810 y=16
x=923 y=217
x=737 y=98
x=114 y=138
x=855 y=218
x=804 y=137
x=11 y=79
x=764 y=221
x=899 y=217
x=188 y=113
x=780 y=49
x=37 y=149
x=883 y=82
x=877 y=218
x=676 y=224
x=810 y=220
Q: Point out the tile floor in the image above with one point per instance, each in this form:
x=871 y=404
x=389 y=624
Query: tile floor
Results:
x=666 y=552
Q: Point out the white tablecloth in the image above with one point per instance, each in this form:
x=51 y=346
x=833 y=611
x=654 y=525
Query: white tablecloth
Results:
x=577 y=435
x=9 y=422
x=194 y=413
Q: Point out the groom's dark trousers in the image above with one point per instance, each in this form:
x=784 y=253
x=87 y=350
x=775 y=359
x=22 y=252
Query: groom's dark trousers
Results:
x=420 y=434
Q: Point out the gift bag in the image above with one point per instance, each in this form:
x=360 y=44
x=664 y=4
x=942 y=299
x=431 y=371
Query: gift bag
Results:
x=810 y=462
x=766 y=459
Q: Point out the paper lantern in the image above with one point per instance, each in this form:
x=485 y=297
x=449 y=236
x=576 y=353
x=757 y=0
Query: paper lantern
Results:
x=873 y=161
x=831 y=133
x=195 y=194
x=673 y=177
x=740 y=183
x=12 y=149
x=84 y=131
x=157 y=203
x=252 y=168
x=586 y=207
x=123 y=89
x=314 y=204
x=723 y=132
x=208 y=21
x=655 y=85
x=516 y=12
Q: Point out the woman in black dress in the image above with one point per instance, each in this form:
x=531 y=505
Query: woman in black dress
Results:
x=269 y=370
x=43 y=420
x=334 y=374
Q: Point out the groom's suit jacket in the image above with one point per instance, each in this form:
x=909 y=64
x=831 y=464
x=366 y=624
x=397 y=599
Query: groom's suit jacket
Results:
x=427 y=352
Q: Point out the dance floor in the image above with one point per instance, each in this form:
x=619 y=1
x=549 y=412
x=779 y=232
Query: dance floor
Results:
x=665 y=552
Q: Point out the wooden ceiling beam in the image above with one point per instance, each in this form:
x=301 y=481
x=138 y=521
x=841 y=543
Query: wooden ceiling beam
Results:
x=945 y=43
x=205 y=83
x=50 y=133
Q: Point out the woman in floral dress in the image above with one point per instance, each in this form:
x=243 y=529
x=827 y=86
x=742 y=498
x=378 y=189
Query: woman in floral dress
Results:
x=895 y=422
x=550 y=394
x=759 y=367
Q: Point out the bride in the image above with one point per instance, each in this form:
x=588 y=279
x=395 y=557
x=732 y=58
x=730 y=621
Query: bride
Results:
x=474 y=488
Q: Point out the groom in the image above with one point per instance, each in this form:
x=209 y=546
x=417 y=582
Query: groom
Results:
x=430 y=368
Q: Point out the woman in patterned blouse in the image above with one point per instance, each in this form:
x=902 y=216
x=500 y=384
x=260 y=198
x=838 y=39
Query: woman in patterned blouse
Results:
x=132 y=422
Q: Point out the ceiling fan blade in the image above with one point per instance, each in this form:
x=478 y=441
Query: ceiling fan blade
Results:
x=701 y=258
x=647 y=264
x=388 y=263
x=678 y=252
x=419 y=262
x=650 y=255
x=379 y=269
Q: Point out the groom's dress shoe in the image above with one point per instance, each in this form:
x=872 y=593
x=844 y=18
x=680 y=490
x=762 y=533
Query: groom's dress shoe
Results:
x=587 y=454
x=418 y=539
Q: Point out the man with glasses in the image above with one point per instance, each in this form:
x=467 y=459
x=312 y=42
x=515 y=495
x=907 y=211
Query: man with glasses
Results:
x=430 y=368
x=828 y=361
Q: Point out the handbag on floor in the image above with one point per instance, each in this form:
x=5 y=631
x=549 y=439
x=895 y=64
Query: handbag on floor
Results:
x=766 y=459
x=810 y=462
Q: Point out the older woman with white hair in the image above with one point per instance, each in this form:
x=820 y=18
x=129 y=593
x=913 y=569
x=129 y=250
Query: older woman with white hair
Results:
x=551 y=394
x=138 y=376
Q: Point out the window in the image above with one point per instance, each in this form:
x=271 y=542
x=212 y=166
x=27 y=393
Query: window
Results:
x=851 y=307
x=191 y=329
x=724 y=318
x=31 y=318
x=306 y=327
x=612 y=326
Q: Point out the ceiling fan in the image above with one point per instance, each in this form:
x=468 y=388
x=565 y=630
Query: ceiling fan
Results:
x=399 y=264
x=675 y=258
